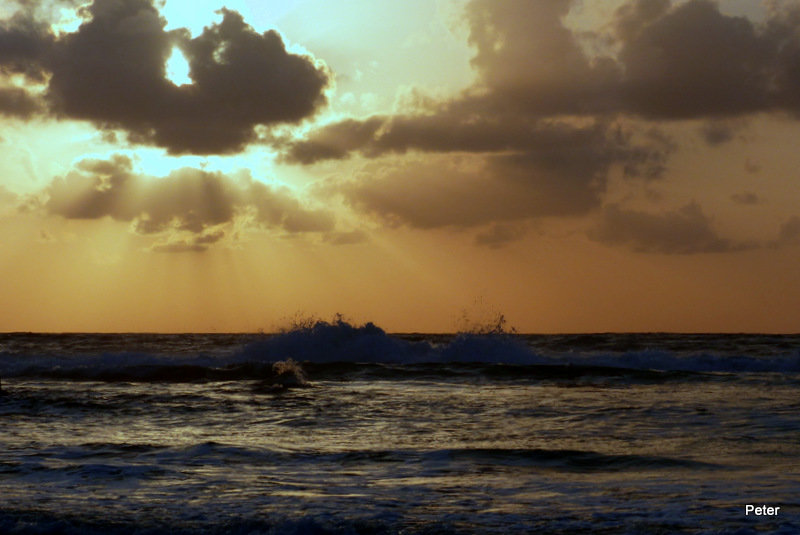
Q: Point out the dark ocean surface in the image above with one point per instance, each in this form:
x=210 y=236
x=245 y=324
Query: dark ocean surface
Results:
x=339 y=429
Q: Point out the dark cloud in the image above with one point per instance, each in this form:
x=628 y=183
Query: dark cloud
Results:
x=685 y=231
x=673 y=60
x=547 y=141
x=440 y=193
x=681 y=61
x=111 y=71
x=427 y=195
x=535 y=162
x=547 y=120
x=529 y=62
x=692 y=61
x=24 y=43
x=537 y=135
x=334 y=141
x=689 y=60
x=518 y=170
x=190 y=205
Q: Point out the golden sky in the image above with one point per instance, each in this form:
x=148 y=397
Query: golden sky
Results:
x=626 y=165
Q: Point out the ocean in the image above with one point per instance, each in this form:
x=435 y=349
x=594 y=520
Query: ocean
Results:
x=332 y=428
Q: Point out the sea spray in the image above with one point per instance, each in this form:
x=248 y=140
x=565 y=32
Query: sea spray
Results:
x=339 y=347
x=288 y=374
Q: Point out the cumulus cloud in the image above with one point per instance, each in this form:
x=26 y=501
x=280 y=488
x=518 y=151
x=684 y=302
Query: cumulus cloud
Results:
x=24 y=43
x=548 y=119
x=691 y=60
x=111 y=71
x=516 y=171
x=537 y=156
x=528 y=61
x=333 y=142
x=684 y=231
x=440 y=192
x=530 y=64
x=449 y=132
x=541 y=129
x=532 y=67
x=429 y=195
x=189 y=206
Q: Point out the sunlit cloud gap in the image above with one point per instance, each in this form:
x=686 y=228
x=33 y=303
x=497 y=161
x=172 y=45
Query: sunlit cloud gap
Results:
x=178 y=68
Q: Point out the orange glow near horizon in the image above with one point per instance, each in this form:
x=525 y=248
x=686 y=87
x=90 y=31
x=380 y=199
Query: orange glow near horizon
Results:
x=401 y=164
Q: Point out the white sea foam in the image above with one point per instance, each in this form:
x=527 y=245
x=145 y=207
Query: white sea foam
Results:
x=340 y=342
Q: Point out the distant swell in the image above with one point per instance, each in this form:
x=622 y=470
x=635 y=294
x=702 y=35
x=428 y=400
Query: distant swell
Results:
x=556 y=459
x=104 y=460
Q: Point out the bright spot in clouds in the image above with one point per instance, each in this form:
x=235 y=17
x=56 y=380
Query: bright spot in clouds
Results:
x=69 y=19
x=178 y=68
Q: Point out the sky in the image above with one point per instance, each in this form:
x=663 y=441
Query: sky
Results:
x=576 y=166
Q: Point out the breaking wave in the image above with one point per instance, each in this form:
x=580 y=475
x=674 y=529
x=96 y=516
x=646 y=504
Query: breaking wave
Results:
x=339 y=350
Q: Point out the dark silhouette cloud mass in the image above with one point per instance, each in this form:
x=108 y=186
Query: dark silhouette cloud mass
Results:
x=552 y=116
x=674 y=61
x=111 y=71
x=434 y=193
x=692 y=61
x=562 y=173
x=685 y=231
x=24 y=44
x=549 y=118
x=191 y=204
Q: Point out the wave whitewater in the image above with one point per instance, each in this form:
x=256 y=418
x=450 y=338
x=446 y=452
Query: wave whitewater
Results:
x=338 y=350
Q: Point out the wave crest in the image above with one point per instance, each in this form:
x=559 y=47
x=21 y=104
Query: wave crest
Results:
x=338 y=348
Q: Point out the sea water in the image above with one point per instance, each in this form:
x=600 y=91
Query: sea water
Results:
x=331 y=428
